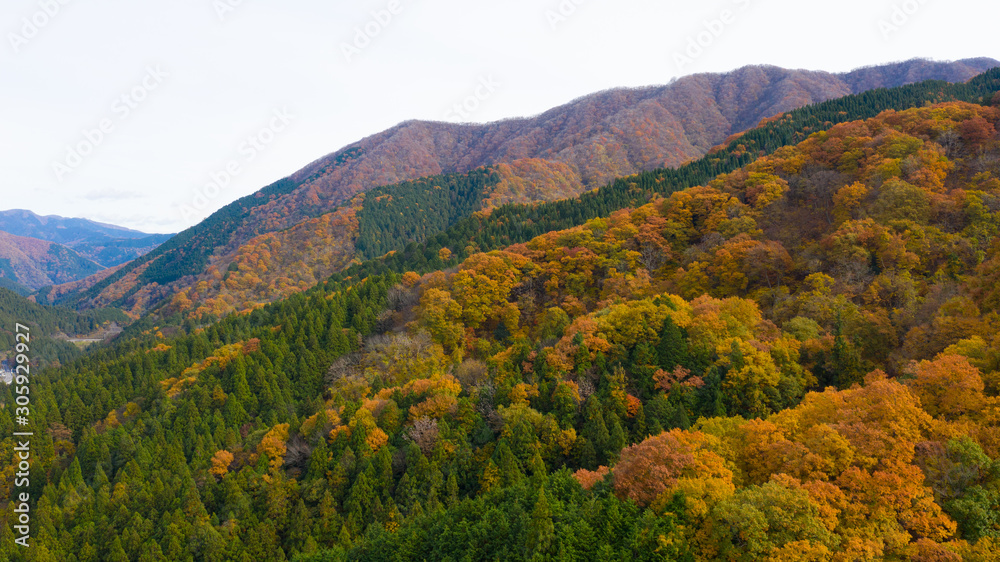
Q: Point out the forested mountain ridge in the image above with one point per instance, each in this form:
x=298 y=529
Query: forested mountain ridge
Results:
x=53 y=293
x=558 y=154
x=793 y=360
x=602 y=136
x=511 y=224
x=105 y=244
x=60 y=229
x=35 y=263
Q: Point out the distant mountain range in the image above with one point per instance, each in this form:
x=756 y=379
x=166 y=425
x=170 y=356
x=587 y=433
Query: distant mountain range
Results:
x=261 y=239
x=31 y=263
x=104 y=244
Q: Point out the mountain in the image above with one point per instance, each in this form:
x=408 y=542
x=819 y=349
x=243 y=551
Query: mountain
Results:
x=794 y=358
x=36 y=263
x=105 y=244
x=561 y=153
x=598 y=137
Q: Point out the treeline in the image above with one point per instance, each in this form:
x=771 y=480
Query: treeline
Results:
x=538 y=516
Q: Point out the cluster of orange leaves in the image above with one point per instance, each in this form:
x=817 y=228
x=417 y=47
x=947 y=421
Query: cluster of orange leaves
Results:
x=850 y=455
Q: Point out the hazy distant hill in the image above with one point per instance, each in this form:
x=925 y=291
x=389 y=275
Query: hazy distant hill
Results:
x=36 y=263
x=14 y=286
x=106 y=244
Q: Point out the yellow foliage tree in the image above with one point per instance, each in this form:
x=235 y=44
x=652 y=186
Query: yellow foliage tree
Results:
x=220 y=463
x=274 y=445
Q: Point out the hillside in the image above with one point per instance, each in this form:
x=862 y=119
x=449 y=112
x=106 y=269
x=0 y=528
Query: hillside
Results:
x=276 y=265
x=796 y=359
x=560 y=153
x=14 y=286
x=51 y=326
x=36 y=263
x=53 y=293
x=863 y=260
x=104 y=244
x=599 y=137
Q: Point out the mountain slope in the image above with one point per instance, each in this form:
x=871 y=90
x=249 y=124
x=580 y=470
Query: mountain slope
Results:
x=14 y=286
x=53 y=293
x=558 y=154
x=50 y=327
x=856 y=253
x=36 y=263
x=105 y=244
x=601 y=136
x=795 y=360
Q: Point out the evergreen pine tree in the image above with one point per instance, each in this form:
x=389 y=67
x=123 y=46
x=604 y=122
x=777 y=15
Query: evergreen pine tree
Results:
x=672 y=347
x=616 y=438
x=541 y=532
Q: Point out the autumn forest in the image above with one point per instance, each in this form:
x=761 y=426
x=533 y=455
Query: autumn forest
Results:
x=785 y=350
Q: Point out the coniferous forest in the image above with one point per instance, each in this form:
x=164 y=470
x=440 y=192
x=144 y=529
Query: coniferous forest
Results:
x=786 y=350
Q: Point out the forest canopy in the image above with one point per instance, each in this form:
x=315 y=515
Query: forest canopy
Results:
x=794 y=359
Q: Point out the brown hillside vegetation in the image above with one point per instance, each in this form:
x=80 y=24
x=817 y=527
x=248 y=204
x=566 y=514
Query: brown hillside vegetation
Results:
x=82 y=284
x=36 y=263
x=561 y=153
x=273 y=266
x=601 y=136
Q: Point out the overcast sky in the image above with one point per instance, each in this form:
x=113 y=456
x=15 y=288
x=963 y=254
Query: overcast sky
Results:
x=180 y=87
